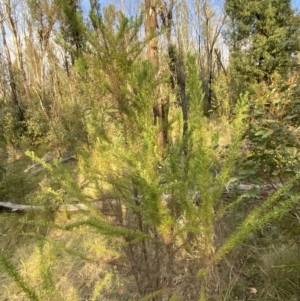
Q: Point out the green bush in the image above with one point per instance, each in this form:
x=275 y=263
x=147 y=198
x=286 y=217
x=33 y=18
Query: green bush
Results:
x=273 y=134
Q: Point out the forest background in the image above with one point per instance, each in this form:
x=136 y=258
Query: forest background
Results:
x=149 y=151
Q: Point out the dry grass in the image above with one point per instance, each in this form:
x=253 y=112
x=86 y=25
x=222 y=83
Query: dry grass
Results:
x=84 y=265
x=67 y=265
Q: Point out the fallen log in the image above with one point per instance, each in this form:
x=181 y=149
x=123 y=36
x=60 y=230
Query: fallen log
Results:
x=33 y=170
x=108 y=205
x=13 y=207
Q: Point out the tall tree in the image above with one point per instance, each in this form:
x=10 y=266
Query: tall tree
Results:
x=71 y=27
x=262 y=38
x=11 y=21
x=211 y=21
x=12 y=78
x=160 y=107
x=176 y=58
x=40 y=28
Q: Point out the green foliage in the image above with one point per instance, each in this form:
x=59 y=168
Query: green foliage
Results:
x=100 y=286
x=10 y=128
x=263 y=40
x=161 y=220
x=222 y=103
x=7 y=266
x=45 y=270
x=13 y=176
x=106 y=228
x=273 y=141
x=72 y=28
x=272 y=208
x=153 y=207
x=131 y=169
x=37 y=126
x=194 y=86
x=68 y=130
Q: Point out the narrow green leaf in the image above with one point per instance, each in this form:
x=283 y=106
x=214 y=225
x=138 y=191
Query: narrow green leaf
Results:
x=267 y=134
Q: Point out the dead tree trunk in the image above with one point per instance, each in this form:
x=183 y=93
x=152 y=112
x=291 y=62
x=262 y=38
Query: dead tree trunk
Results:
x=12 y=80
x=11 y=22
x=160 y=106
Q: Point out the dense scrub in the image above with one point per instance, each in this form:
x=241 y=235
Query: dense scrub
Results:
x=149 y=169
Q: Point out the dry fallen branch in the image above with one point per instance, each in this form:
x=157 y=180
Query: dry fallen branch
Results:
x=21 y=208
x=47 y=159
x=108 y=205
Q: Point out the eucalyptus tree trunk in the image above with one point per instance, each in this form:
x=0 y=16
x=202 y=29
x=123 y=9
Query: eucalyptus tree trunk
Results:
x=160 y=106
x=176 y=63
x=12 y=79
x=11 y=21
x=211 y=23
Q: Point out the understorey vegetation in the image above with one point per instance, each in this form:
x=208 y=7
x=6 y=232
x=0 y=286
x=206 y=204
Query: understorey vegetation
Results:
x=149 y=151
